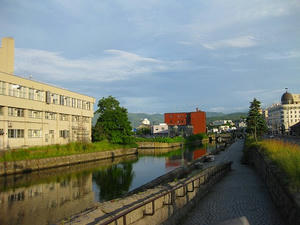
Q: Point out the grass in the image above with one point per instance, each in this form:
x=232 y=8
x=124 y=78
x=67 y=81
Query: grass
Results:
x=49 y=151
x=160 y=139
x=285 y=155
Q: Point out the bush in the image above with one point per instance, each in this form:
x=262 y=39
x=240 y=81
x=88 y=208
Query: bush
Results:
x=195 y=137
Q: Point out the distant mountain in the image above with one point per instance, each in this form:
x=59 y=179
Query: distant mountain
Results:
x=136 y=118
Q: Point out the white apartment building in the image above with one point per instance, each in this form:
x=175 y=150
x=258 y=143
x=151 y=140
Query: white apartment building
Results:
x=282 y=116
x=159 y=129
x=34 y=113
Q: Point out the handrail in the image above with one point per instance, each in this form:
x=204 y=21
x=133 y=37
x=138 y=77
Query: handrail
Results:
x=169 y=193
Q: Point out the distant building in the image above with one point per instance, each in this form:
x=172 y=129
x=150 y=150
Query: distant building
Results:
x=145 y=122
x=160 y=129
x=281 y=117
x=34 y=113
x=222 y=122
x=186 y=122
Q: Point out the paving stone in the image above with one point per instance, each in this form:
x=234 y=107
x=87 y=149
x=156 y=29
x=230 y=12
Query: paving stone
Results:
x=241 y=193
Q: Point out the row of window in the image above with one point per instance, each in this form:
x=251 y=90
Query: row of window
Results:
x=18 y=112
x=35 y=133
x=43 y=96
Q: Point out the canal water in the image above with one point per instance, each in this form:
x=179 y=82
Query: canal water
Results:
x=48 y=196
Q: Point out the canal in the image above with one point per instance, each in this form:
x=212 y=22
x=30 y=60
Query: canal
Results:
x=48 y=196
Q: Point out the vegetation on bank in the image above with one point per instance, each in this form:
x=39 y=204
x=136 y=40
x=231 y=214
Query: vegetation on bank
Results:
x=112 y=123
x=160 y=139
x=49 y=151
x=285 y=155
x=195 y=138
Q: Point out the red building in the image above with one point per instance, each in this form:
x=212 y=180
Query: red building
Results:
x=195 y=119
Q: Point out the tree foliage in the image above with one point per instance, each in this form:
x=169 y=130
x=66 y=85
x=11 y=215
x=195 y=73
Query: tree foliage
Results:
x=256 y=124
x=112 y=123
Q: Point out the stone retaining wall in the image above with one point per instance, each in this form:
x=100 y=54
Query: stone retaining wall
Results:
x=22 y=166
x=158 y=145
x=287 y=202
x=161 y=205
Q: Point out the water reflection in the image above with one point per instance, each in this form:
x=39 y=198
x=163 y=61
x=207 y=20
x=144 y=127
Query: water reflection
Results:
x=48 y=196
x=114 y=181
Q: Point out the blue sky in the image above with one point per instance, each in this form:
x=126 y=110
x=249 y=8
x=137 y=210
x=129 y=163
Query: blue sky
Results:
x=159 y=56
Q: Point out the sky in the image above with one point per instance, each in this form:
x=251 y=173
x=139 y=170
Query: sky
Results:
x=159 y=56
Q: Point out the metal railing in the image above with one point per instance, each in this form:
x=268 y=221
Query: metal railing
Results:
x=203 y=179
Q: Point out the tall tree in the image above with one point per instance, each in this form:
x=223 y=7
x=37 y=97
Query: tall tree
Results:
x=112 y=123
x=256 y=124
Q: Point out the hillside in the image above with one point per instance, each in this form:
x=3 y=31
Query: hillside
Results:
x=231 y=116
x=135 y=118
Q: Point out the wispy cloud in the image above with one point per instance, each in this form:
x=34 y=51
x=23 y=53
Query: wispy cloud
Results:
x=114 y=65
x=237 y=42
x=284 y=55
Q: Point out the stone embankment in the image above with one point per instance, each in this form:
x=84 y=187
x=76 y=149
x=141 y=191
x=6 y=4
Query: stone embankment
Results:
x=146 y=145
x=287 y=202
x=163 y=204
x=24 y=166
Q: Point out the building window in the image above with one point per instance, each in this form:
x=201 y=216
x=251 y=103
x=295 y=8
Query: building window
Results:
x=83 y=105
x=75 y=118
x=88 y=106
x=35 y=114
x=15 y=133
x=79 y=104
x=61 y=100
x=55 y=99
x=63 y=133
x=15 y=112
x=50 y=116
x=73 y=102
x=34 y=133
x=31 y=94
x=2 y=88
x=39 y=95
x=63 y=117
x=51 y=133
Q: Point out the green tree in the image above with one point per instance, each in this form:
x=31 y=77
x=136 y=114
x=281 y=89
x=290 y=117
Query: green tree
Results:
x=112 y=123
x=256 y=124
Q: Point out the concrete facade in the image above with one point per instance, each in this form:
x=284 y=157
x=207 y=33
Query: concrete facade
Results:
x=196 y=120
x=280 y=117
x=34 y=113
x=7 y=55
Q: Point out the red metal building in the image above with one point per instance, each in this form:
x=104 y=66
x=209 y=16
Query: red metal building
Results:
x=196 y=119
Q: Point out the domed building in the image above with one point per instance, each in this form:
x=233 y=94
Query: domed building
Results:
x=282 y=116
x=287 y=98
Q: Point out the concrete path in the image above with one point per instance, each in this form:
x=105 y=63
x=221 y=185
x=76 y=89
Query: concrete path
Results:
x=240 y=193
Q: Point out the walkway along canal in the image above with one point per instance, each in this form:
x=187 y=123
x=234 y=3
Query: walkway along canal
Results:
x=53 y=194
x=241 y=193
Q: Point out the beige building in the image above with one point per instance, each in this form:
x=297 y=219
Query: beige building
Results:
x=34 y=113
x=282 y=116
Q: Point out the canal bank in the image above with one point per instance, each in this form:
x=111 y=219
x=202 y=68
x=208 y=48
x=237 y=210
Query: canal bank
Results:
x=25 y=166
x=53 y=194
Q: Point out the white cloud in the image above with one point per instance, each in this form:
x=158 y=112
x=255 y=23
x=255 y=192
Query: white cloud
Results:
x=284 y=55
x=112 y=66
x=237 y=42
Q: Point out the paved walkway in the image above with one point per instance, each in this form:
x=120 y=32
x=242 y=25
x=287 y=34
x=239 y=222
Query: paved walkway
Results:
x=240 y=193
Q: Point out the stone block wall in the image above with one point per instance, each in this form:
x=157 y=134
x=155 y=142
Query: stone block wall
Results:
x=164 y=204
x=22 y=166
x=287 y=202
